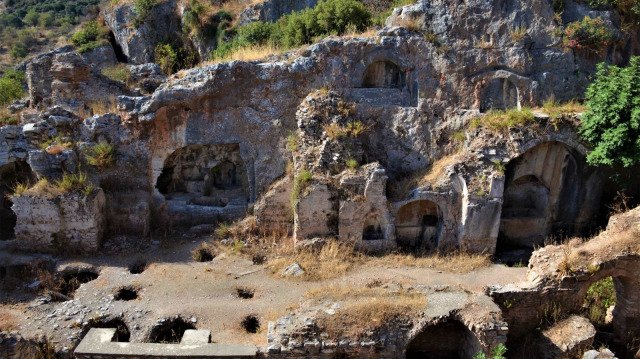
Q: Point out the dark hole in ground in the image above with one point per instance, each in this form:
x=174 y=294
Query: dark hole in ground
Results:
x=63 y=285
x=138 y=266
x=126 y=293
x=203 y=255
x=259 y=259
x=169 y=331
x=251 y=323
x=244 y=293
x=122 y=331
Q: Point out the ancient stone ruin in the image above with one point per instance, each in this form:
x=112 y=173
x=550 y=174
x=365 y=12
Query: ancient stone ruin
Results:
x=350 y=198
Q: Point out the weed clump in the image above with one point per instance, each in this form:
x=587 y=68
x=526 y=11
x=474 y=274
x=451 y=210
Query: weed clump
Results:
x=504 y=120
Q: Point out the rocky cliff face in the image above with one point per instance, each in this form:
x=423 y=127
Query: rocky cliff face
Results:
x=138 y=37
x=411 y=87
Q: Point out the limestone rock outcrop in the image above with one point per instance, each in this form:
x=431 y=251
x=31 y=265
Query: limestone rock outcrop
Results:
x=272 y=10
x=138 y=37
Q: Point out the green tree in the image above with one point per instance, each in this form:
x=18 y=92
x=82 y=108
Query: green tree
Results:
x=31 y=18
x=11 y=87
x=611 y=122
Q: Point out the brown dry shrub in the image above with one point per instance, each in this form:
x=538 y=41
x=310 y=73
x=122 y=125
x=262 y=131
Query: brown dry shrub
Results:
x=365 y=309
x=8 y=321
x=333 y=260
x=457 y=262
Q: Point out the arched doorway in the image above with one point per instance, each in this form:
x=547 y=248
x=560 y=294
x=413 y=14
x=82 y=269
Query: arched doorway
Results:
x=11 y=175
x=205 y=175
x=445 y=340
x=383 y=74
x=418 y=225
x=541 y=200
x=499 y=94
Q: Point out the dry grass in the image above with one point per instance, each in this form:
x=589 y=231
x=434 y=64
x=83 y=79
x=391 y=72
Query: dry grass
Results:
x=410 y=24
x=74 y=182
x=430 y=176
x=458 y=262
x=502 y=121
x=365 y=309
x=558 y=111
x=353 y=33
x=248 y=54
x=335 y=259
x=99 y=107
x=8 y=321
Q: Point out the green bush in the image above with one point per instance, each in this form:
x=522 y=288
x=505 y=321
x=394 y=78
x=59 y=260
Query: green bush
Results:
x=90 y=36
x=600 y=296
x=142 y=9
x=328 y=17
x=497 y=353
x=18 y=51
x=590 y=34
x=628 y=9
x=299 y=28
x=611 y=122
x=256 y=33
x=172 y=57
x=11 y=87
x=167 y=58
x=31 y=18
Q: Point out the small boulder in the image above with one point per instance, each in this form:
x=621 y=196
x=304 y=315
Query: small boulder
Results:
x=294 y=270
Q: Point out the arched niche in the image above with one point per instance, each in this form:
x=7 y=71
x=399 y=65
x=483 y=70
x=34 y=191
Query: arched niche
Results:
x=206 y=175
x=542 y=196
x=11 y=174
x=373 y=229
x=449 y=339
x=383 y=74
x=418 y=225
x=499 y=94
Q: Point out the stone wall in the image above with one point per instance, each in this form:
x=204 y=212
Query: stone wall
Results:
x=55 y=223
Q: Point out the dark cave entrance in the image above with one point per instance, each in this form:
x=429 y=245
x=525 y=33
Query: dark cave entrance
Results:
x=205 y=175
x=542 y=201
x=418 y=225
x=383 y=74
x=446 y=340
x=11 y=174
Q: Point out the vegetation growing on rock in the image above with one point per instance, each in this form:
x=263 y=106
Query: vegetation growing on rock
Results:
x=90 y=36
x=611 y=122
x=11 y=87
x=591 y=34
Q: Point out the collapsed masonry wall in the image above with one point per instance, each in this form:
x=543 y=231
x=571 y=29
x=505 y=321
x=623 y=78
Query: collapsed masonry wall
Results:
x=68 y=221
x=560 y=275
x=474 y=319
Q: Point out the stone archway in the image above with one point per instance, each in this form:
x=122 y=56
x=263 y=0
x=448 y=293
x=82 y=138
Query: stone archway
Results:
x=11 y=175
x=542 y=197
x=383 y=74
x=418 y=225
x=499 y=94
x=449 y=339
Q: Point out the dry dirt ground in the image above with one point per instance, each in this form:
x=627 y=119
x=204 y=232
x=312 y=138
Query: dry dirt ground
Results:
x=174 y=284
